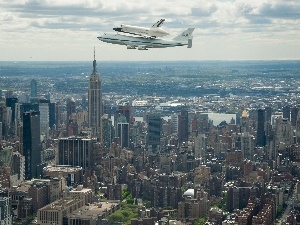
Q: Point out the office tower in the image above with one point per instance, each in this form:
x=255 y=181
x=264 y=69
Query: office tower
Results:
x=5 y=211
x=286 y=112
x=18 y=162
x=124 y=110
x=268 y=110
x=200 y=146
x=31 y=144
x=3 y=118
x=283 y=131
x=123 y=134
x=106 y=131
x=9 y=94
x=245 y=124
x=71 y=108
x=183 y=126
x=33 y=88
x=260 y=133
x=74 y=151
x=294 y=114
x=26 y=107
x=52 y=114
x=154 y=130
x=84 y=102
x=174 y=123
x=247 y=147
x=298 y=129
x=11 y=102
x=202 y=123
x=39 y=193
x=44 y=117
x=1 y=127
x=95 y=101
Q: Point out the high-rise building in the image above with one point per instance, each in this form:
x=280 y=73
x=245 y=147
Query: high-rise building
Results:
x=75 y=151
x=298 y=128
x=123 y=134
x=154 y=130
x=183 y=126
x=5 y=211
x=11 y=102
x=3 y=118
x=52 y=114
x=71 y=108
x=294 y=114
x=26 y=107
x=268 y=110
x=286 y=112
x=283 y=131
x=260 y=133
x=106 y=131
x=174 y=122
x=33 y=88
x=124 y=110
x=44 y=117
x=32 y=144
x=95 y=101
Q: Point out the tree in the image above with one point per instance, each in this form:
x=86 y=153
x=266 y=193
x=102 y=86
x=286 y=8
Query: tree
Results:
x=201 y=221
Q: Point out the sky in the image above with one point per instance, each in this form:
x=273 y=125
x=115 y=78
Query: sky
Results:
x=67 y=30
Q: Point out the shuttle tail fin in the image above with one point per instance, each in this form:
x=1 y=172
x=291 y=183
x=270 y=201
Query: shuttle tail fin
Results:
x=185 y=36
x=159 y=23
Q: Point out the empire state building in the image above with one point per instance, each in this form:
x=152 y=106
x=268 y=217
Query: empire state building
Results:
x=95 y=101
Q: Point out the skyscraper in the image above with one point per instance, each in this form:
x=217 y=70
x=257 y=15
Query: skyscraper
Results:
x=183 y=126
x=298 y=129
x=95 y=101
x=294 y=115
x=71 y=108
x=75 y=152
x=260 y=134
x=5 y=211
x=11 y=102
x=286 y=112
x=33 y=88
x=31 y=144
x=123 y=134
x=154 y=130
x=106 y=131
x=44 y=117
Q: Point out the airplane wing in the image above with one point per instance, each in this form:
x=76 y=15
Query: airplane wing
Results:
x=159 y=23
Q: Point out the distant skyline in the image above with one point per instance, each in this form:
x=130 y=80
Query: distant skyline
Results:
x=56 y=30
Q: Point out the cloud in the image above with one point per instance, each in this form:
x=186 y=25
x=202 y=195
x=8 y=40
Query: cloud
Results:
x=46 y=20
x=204 y=11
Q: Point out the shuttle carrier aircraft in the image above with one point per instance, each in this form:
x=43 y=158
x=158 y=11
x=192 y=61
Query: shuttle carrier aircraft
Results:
x=144 y=38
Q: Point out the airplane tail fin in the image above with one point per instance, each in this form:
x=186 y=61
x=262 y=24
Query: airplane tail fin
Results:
x=159 y=23
x=185 y=36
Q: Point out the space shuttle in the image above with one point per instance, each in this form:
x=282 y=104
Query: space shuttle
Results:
x=155 y=31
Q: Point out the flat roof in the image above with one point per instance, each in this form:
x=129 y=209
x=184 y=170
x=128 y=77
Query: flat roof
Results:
x=60 y=204
x=92 y=210
x=62 y=168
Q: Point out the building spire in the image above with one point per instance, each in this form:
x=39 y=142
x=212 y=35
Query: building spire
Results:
x=94 y=62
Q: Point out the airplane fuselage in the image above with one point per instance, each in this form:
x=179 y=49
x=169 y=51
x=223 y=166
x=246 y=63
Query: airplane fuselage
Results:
x=142 y=43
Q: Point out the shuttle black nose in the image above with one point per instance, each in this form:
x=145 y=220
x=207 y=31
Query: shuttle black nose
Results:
x=118 y=29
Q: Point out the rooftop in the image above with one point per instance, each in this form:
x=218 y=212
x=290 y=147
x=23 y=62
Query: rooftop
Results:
x=92 y=210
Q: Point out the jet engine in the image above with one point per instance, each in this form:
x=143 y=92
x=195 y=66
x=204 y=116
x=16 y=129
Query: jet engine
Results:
x=142 y=48
x=130 y=47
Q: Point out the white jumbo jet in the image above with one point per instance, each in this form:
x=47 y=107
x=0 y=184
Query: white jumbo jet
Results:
x=143 y=43
x=154 y=31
